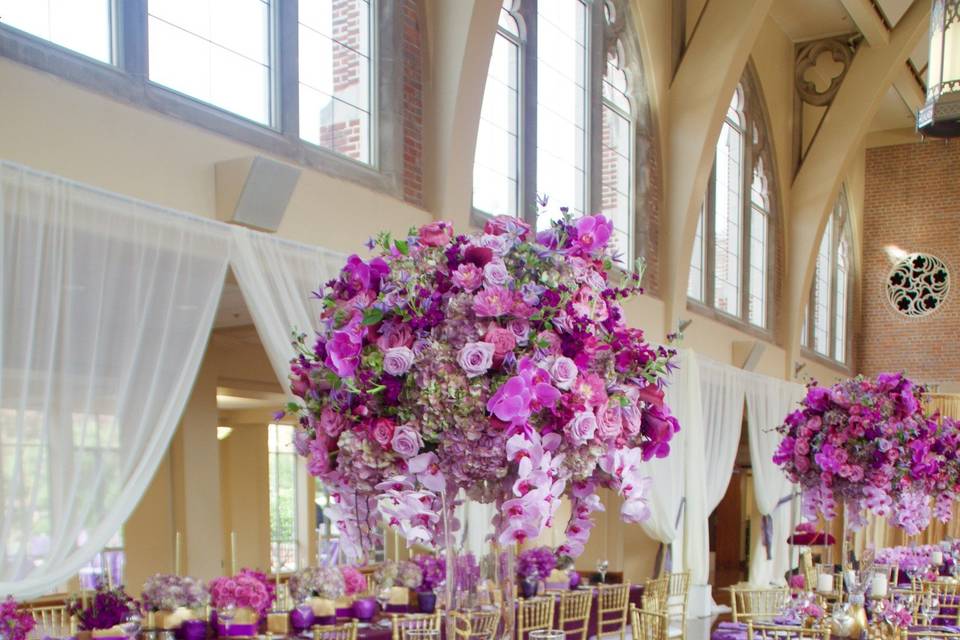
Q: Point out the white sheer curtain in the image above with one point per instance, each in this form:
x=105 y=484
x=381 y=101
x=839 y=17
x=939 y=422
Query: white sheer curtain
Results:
x=722 y=390
x=107 y=304
x=278 y=278
x=768 y=403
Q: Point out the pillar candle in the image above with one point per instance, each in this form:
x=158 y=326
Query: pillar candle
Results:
x=233 y=553
x=825 y=583
x=176 y=554
x=879 y=586
x=936 y=556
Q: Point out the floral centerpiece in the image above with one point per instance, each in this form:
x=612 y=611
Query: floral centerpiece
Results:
x=15 y=623
x=433 y=570
x=172 y=599
x=104 y=613
x=868 y=444
x=499 y=363
x=316 y=590
x=241 y=601
x=354 y=581
x=534 y=566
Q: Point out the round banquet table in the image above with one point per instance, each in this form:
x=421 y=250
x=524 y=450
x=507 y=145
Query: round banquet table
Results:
x=738 y=630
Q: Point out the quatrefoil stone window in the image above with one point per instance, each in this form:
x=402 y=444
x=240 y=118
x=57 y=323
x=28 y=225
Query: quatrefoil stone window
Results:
x=918 y=285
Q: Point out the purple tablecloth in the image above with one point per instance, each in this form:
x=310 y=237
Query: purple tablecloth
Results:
x=738 y=630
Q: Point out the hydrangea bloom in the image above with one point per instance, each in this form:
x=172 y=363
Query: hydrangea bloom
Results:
x=354 y=582
x=398 y=574
x=320 y=582
x=498 y=363
x=867 y=443
x=168 y=592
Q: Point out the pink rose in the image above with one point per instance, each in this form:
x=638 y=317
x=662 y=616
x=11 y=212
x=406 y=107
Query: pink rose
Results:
x=406 y=442
x=582 y=428
x=548 y=343
x=564 y=372
x=468 y=276
x=503 y=342
x=495 y=273
x=394 y=335
x=609 y=421
x=381 y=430
x=436 y=234
x=506 y=225
x=331 y=422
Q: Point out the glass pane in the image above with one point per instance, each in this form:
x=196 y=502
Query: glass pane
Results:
x=217 y=51
x=282 y=470
x=727 y=200
x=695 y=279
x=561 y=104
x=616 y=174
x=840 y=305
x=758 y=268
x=821 y=293
x=336 y=76
x=83 y=26
x=495 y=173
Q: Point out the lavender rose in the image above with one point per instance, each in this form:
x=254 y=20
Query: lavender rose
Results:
x=467 y=276
x=609 y=421
x=398 y=360
x=476 y=358
x=582 y=427
x=563 y=371
x=406 y=442
x=495 y=273
x=520 y=329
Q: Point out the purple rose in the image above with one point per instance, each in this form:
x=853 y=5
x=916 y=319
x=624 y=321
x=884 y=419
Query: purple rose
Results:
x=563 y=371
x=495 y=273
x=398 y=360
x=520 y=329
x=331 y=422
x=476 y=358
x=406 y=442
x=582 y=427
x=468 y=276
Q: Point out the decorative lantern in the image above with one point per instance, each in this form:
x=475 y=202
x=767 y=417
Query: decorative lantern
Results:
x=940 y=116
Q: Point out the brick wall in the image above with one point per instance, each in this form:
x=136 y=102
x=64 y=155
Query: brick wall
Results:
x=412 y=103
x=912 y=203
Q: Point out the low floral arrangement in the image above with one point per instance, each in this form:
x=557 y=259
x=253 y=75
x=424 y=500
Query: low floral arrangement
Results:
x=317 y=582
x=865 y=443
x=398 y=574
x=801 y=609
x=166 y=592
x=536 y=563
x=499 y=363
x=354 y=581
x=894 y=612
x=15 y=624
x=108 y=608
x=248 y=589
x=433 y=570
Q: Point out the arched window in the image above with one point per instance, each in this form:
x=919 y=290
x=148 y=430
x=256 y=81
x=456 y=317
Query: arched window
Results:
x=558 y=117
x=825 y=322
x=730 y=265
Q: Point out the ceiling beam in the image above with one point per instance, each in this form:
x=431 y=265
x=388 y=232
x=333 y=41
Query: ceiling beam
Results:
x=909 y=89
x=868 y=21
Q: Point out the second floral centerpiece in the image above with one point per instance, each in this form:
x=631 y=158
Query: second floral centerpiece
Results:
x=499 y=364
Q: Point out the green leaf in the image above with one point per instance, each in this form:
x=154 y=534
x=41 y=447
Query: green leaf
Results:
x=402 y=246
x=372 y=315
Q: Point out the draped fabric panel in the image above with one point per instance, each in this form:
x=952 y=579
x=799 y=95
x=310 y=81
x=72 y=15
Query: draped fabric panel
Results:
x=107 y=304
x=768 y=402
x=278 y=278
x=723 y=390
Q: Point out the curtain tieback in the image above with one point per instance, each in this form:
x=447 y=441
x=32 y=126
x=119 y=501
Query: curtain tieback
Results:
x=664 y=553
x=766 y=526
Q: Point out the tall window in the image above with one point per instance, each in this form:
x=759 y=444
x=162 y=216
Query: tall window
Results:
x=335 y=79
x=825 y=323
x=283 y=498
x=729 y=267
x=217 y=51
x=557 y=119
x=84 y=26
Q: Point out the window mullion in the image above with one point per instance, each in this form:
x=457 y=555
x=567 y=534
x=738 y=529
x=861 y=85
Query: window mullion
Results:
x=709 y=238
x=287 y=66
x=596 y=57
x=130 y=27
x=746 y=217
x=527 y=173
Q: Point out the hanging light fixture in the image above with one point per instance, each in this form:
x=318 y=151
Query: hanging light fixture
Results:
x=940 y=116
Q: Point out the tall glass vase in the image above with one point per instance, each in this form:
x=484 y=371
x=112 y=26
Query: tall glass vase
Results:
x=480 y=572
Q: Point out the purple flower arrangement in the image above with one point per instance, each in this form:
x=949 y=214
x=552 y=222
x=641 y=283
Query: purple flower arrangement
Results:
x=865 y=443
x=536 y=564
x=15 y=624
x=108 y=607
x=321 y=582
x=433 y=570
x=499 y=363
x=249 y=589
x=166 y=592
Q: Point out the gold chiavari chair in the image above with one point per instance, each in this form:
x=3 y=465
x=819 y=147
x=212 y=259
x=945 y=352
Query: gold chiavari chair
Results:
x=655 y=594
x=533 y=615
x=948 y=598
x=749 y=603
x=484 y=624
x=648 y=625
x=402 y=623
x=678 y=587
x=53 y=619
x=347 y=631
x=575 y=614
x=462 y=629
x=612 y=605
x=780 y=632
x=919 y=633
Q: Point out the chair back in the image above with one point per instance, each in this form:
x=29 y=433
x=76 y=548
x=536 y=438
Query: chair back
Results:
x=749 y=604
x=347 y=631
x=53 y=620
x=533 y=615
x=948 y=596
x=656 y=591
x=575 y=614
x=414 y=621
x=648 y=625
x=925 y=633
x=612 y=605
x=484 y=624
x=781 y=632
x=678 y=586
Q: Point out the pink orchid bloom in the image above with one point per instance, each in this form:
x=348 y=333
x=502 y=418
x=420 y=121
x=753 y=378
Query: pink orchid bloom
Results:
x=426 y=468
